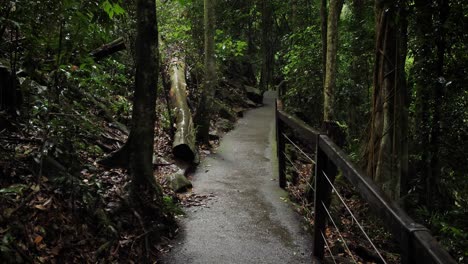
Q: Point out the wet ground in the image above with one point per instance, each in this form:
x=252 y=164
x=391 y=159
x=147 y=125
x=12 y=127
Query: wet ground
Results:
x=248 y=219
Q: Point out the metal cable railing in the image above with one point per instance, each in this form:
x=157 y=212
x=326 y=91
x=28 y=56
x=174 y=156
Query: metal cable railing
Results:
x=339 y=232
x=416 y=243
x=328 y=247
x=300 y=150
x=297 y=170
x=353 y=217
x=335 y=190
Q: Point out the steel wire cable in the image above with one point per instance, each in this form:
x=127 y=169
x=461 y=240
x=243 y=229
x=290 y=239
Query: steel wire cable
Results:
x=298 y=148
x=339 y=232
x=354 y=218
x=328 y=247
x=297 y=170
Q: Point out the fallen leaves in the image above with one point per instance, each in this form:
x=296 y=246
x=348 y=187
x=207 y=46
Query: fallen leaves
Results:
x=38 y=239
x=192 y=199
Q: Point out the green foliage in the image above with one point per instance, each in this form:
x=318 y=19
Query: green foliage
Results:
x=227 y=48
x=172 y=206
x=112 y=9
x=451 y=226
x=303 y=73
x=15 y=189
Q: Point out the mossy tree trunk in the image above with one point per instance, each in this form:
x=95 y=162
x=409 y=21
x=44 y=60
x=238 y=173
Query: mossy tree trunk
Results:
x=386 y=142
x=331 y=65
x=359 y=70
x=203 y=115
x=183 y=146
x=267 y=45
x=431 y=17
x=323 y=26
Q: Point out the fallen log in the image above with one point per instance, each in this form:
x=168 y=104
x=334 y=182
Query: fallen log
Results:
x=183 y=146
x=108 y=49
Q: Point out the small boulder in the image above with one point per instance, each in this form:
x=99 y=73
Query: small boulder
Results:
x=254 y=94
x=250 y=103
x=239 y=111
x=224 y=125
x=178 y=182
x=213 y=135
x=225 y=112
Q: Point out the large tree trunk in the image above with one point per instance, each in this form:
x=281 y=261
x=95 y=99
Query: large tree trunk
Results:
x=388 y=111
x=183 y=146
x=331 y=64
x=403 y=100
x=423 y=79
x=323 y=26
x=141 y=139
x=359 y=72
x=203 y=115
x=266 y=75
x=433 y=184
x=430 y=86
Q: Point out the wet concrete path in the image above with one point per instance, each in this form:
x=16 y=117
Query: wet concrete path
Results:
x=247 y=221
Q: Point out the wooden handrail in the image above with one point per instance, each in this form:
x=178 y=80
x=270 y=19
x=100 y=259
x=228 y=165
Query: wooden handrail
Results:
x=305 y=132
x=416 y=243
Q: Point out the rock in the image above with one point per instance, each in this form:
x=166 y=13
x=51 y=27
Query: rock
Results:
x=214 y=135
x=239 y=111
x=224 y=125
x=250 y=103
x=178 y=182
x=225 y=112
x=254 y=94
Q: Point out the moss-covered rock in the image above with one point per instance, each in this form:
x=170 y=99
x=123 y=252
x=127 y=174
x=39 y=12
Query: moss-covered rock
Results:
x=178 y=182
x=254 y=94
x=224 y=125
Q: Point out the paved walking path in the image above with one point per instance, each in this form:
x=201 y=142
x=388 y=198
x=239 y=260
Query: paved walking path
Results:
x=247 y=221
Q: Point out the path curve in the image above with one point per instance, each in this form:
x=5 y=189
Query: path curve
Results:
x=247 y=221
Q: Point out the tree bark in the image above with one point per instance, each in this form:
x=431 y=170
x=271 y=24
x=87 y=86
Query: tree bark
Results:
x=203 y=115
x=323 y=25
x=183 y=146
x=266 y=75
x=108 y=49
x=430 y=86
x=359 y=72
x=388 y=111
x=141 y=140
x=331 y=64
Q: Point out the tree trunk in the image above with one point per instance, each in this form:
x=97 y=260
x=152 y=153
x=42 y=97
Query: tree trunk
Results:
x=144 y=187
x=331 y=64
x=386 y=133
x=359 y=70
x=108 y=49
x=403 y=97
x=323 y=20
x=183 y=146
x=430 y=90
x=267 y=45
x=203 y=115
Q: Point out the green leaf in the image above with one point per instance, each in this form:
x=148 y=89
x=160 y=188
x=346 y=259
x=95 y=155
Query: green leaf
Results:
x=15 y=188
x=184 y=2
x=118 y=10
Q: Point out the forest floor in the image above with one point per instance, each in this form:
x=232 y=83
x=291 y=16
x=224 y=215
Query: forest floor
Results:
x=57 y=204
x=246 y=217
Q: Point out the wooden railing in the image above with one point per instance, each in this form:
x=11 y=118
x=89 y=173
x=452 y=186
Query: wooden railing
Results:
x=417 y=245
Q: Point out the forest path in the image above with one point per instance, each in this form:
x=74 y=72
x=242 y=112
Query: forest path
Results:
x=247 y=220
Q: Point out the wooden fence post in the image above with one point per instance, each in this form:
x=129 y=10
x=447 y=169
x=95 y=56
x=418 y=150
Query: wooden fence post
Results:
x=322 y=197
x=280 y=148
